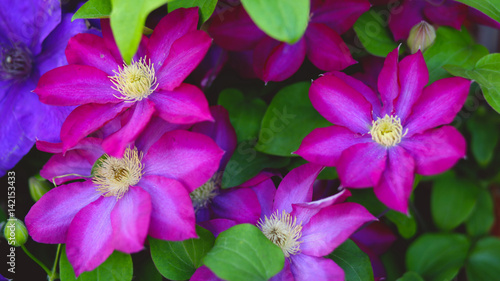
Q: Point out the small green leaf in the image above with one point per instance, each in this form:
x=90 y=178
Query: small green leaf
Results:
x=207 y=7
x=355 y=263
x=373 y=33
x=482 y=217
x=484 y=260
x=407 y=226
x=118 y=267
x=437 y=256
x=284 y=20
x=484 y=138
x=179 y=260
x=288 y=119
x=93 y=9
x=410 y=276
x=243 y=253
x=452 y=201
x=367 y=199
x=489 y=7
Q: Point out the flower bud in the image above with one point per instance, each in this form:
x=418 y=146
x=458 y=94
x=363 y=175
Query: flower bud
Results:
x=38 y=187
x=15 y=232
x=422 y=35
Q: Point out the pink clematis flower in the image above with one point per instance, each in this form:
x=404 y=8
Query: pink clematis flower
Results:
x=103 y=87
x=121 y=200
x=383 y=142
x=276 y=61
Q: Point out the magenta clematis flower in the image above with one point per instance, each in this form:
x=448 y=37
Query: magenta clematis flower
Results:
x=383 y=142
x=144 y=192
x=103 y=87
x=276 y=61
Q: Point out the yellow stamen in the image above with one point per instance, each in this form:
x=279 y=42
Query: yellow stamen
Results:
x=135 y=81
x=387 y=131
x=283 y=230
x=204 y=194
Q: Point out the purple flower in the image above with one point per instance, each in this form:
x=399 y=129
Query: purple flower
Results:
x=120 y=201
x=33 y=35
x=382 y=142
x=103 y=87
x=276 y=61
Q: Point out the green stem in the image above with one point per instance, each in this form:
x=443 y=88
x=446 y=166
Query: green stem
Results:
x=53 y=276
x=36 y=260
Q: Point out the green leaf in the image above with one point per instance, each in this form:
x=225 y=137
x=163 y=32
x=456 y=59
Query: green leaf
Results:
x=367 y=199
x=410 y=276
x=407 y=226
x=437 y=256
x=484 y=260
x=245 y=113
x=283 y=20
x=452 y=201
x=482 y=217
x=355 y=263
x=146 y=269
x=484 y=138
x=127 y=22
x=374 y=34
x=452 y=47
x=118 y=267
x=246 y=163
x=93 y=9
x=179 y=260
x=288 y=119
x=207 y=7
x=489 y=7
x=98 y=164
x=243 y=253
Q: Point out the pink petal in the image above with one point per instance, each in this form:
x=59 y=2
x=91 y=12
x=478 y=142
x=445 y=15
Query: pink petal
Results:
x=216 y=226
x=325 y=145
x=331 y=226
x=376 y=236
x=285 y=274
x=170 y=28
x=90 y=235
x=326 y=49
x=340 y=104
x=203 y=273
x=396 y=183
x=296 y=187
x=155 y=129
x=403 y=17
x=109 y=40
x=115 y=144
x=265 y=192
x=130 y=220
x=240 y=205
x=186 y=104
x=75 y=85
x=435 y=151
x=172 y=213
x=388 y=81
x=184 y=56
x=305 y=211
x=306 y=267
x=259 y=178
x=438 y=104
x=49 y=219
x=361 y=165
x=338 y=15
x=89 y=49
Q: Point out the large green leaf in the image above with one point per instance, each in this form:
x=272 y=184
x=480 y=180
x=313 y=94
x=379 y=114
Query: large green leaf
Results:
x=118 y=267
x=410 y=276
x=482 y=217
x=284 y=20
x=207 y=7
x=355 y=263
x=179 y=260
x=243 y=253
x=484 y=260
x=452 y=47
x=374 y=34
x=484 y=138
x=437 y=256
x=407 y=226
x=127 y=22
x=288 y=119
x=93 y=9
x=489 y=7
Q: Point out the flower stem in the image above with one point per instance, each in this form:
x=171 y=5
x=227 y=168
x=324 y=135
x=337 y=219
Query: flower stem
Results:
x=36 y=260
x=53 y=276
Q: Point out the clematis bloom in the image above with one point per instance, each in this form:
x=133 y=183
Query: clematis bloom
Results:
x=382 y=142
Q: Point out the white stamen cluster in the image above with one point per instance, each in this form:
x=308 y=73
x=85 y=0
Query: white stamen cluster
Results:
x=135 y=81
x=204 y=194
x=114 y=176
x=283 y=230
x=387 y=131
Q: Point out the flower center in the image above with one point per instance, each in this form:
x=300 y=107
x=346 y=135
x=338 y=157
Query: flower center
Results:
x=16 y=62
x=387 y=131
x=115 y=175
x=204 y=194
x=135 y=81
x=283 y=230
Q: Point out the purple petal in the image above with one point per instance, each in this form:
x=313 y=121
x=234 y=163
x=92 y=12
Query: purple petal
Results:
x=156 y=128
x=109 y=40
x=186 y=104
x=240 y=205
x=331 y=226
x=90 y=235
x=404 y=16
x=296 y=187
x=435 y=151
x=285 y=274
x=376 y=236
x=265 y=192
x=338 y=15
x=481 y=18
x=306 y=267
x=388 y=81
x=49 y=219
x=130 y=220
x=305 y=211
x=396 y=183
x=448 y=13
x=438 y=104
x=203 y=273
x=259 y=178
x=172 y=214
x=326 y=49
x=216 y=226
x=361 y=165
x=340 y=104
x=325 y=145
